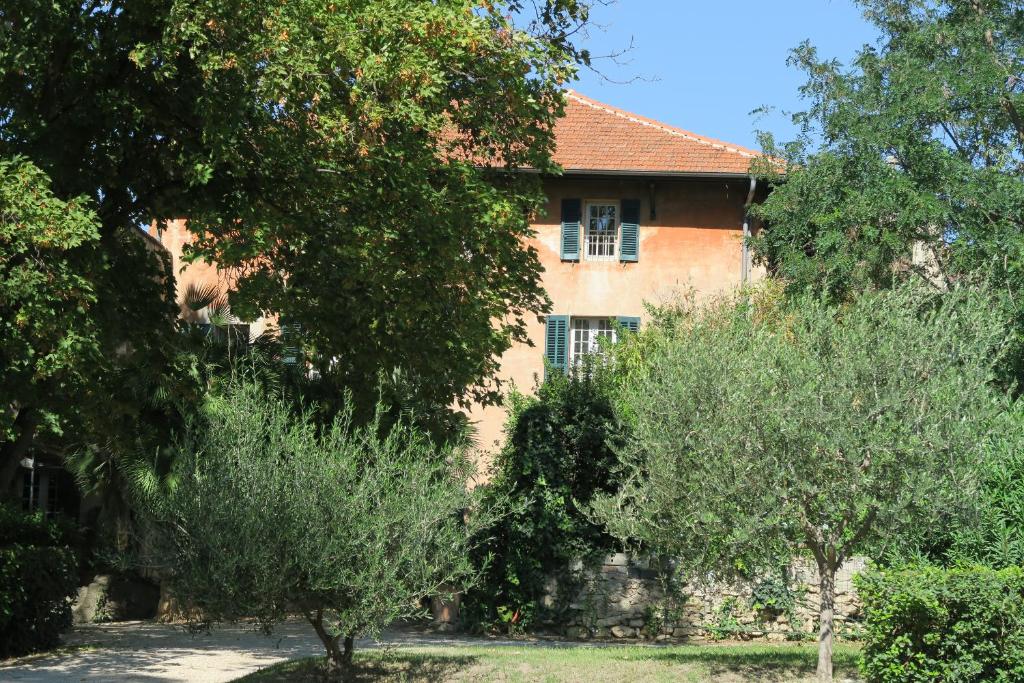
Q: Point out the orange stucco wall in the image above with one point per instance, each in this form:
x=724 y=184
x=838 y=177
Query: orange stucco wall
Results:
x=694 y=243
x=174 y=237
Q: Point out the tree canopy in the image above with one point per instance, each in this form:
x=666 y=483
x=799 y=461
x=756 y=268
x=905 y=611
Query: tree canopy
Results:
x=763 y=428
x=918 y=144
x=349 y=161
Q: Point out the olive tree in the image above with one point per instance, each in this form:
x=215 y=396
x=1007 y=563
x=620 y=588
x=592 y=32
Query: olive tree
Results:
x=764 y=429
x=274 y=514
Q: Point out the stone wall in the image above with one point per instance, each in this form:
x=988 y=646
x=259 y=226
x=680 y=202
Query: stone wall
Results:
x=642 y=598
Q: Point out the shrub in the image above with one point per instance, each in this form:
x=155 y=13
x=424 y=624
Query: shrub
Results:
x=995 y=536
x=559 y=452
x=955 y=625
x=38 y=579
x=273 y=514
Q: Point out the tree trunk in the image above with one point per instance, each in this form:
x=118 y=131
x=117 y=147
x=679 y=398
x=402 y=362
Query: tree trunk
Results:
x=827 y=574
x=346 y=655
x=339 y=661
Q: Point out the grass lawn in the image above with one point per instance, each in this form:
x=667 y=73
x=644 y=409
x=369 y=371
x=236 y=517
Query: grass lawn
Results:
x=589 y=664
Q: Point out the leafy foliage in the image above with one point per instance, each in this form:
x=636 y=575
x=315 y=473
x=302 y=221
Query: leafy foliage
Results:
x=273 y=514
x=919 y=143
x=558 y=454
x=956 y=625
x=765 y=427
x=76 y=359
x=48 y=335
x=38 y=579
x=346 y=160
x=361 y=189
x=995 y=536
x=388 y=227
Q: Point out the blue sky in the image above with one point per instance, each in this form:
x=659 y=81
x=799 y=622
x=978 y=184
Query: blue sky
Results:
x=705 y=65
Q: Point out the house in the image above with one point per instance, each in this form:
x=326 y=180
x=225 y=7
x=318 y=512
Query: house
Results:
x=642 y=212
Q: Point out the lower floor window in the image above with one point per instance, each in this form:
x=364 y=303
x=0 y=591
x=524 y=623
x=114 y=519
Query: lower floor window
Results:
x=586 y=336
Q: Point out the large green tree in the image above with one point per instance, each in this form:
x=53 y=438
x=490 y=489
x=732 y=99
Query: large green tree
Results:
x=350 y=160
x=764 y=430
x=75 y=357
x=917 y=144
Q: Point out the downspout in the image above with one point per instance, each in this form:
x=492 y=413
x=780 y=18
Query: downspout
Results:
x=745 y=265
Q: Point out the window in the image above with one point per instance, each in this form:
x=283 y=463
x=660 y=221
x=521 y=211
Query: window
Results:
x=586 y=333
x=602 y=230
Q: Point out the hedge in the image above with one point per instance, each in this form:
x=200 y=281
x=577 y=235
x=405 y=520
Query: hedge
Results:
x=949 y=625
x=38 y=579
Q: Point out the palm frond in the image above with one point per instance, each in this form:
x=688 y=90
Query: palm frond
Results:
x=198 y=296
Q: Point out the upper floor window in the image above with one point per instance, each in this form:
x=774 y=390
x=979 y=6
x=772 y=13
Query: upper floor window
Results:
x=602 y=229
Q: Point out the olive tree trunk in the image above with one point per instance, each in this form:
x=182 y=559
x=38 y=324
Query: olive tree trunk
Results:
x=339 y=658
x=826 y=616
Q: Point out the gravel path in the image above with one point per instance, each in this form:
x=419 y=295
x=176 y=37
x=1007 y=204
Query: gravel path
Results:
x=160 y=653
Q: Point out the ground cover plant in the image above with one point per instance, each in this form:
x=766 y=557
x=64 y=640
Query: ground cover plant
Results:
x=764 y=428
x=273 y=514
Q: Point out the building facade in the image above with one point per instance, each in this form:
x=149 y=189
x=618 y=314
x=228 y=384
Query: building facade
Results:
x=643 y=213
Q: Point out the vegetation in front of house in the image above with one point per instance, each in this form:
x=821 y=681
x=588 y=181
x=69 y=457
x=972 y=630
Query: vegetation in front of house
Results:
x=959 y=625
x=274 y=513
x=558 y=454
x=765 y=428
x=38 y=579
x=611 y=664
x=864 y=409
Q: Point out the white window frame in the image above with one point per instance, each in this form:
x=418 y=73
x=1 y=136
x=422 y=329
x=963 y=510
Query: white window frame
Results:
x=584 y=332
x=585 y=246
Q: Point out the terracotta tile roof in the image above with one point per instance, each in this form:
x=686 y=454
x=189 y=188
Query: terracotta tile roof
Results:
x=593 y=136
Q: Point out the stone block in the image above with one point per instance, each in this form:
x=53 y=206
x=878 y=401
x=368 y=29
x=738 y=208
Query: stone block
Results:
x=617 y=560
x=623 y=631
x=577 y=632
x=116 y=598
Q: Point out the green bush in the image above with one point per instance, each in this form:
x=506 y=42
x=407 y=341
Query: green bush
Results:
x=274 y=514
x=955 y=625
x=38 y=579
x=559 y=452
x=994 y=537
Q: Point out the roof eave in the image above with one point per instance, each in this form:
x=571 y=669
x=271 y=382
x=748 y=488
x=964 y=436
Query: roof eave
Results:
x=630 y=172
x=642 y=173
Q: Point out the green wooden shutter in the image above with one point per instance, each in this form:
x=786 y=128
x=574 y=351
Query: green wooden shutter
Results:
x=571 y=210
x=629 y=323
x=556 y=341
x=629 y=242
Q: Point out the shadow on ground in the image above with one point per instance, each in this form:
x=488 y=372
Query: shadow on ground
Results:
x=768 y=664
x=406 y=667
